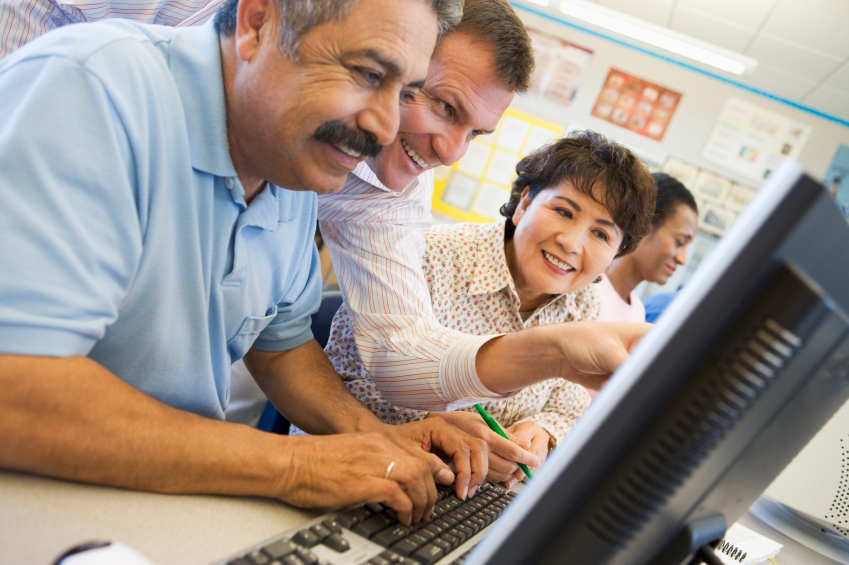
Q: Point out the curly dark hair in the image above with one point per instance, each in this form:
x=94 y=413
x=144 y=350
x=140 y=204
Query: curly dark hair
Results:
x=670 y=193
x=605 y=171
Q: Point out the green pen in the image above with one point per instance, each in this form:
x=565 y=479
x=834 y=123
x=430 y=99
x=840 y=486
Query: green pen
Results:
x=493 y=425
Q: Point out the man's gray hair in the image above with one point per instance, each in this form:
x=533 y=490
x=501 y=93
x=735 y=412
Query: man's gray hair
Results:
x=297 y=17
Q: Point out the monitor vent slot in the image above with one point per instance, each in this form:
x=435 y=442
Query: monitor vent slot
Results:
x=712 y=411
x=839 y=511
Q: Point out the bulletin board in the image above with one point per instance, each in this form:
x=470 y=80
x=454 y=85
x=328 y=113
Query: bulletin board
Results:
x=476 y=186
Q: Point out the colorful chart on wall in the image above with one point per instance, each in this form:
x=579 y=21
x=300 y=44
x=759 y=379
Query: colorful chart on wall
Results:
x=560 y=67
x=752 y=141
x=476 y=186
x=635 y=104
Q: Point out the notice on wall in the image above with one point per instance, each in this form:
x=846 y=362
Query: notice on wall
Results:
x=560 y=67
x=476 y=186
x=636 y=104
x=752 y=142
x=837 y=178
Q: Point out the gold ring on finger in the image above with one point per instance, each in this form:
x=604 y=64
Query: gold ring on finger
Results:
x=389 y=470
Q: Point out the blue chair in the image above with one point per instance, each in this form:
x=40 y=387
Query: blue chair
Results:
x=272 y=420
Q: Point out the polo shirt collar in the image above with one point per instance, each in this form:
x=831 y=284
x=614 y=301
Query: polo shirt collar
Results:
x=491 y=272
x=195 y=62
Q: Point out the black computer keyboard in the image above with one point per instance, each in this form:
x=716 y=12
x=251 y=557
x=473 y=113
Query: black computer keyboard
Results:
x=370 y=534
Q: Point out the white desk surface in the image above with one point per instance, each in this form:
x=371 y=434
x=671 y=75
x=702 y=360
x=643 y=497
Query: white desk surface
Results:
x=41 y=518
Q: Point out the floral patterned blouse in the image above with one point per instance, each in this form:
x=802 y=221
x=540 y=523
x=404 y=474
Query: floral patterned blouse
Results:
x=472 y=291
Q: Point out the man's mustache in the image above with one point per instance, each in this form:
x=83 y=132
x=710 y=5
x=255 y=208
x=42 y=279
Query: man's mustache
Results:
x=337 y=133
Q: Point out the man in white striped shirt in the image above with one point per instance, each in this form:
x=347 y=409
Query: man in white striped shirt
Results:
x=373 y=230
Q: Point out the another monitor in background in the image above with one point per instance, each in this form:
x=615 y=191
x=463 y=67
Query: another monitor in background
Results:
x=809 y=501
x=739 y=374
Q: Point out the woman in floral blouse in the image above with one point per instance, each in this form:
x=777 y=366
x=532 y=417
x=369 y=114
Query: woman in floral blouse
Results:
x=575 y=205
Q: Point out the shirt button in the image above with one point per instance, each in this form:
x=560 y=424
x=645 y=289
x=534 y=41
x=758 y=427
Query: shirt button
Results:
x=228 y=182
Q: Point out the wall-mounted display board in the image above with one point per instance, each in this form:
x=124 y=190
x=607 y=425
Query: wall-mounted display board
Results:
x=476 y=186
x=560 y=67
x=752 y=141
x=636 y=104
x=719 y=199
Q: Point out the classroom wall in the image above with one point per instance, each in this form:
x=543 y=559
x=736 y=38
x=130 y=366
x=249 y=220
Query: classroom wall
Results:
x=703 y=99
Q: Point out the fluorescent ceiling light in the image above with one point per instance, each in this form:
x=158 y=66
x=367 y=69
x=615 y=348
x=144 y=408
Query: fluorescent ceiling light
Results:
x=657 y=36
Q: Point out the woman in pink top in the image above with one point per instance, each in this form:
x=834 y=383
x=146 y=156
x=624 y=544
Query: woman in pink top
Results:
x=674 y=225
x=575 y=205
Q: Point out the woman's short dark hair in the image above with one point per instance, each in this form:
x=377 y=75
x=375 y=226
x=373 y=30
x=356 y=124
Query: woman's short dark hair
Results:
x=670 y=193
x=605 y=171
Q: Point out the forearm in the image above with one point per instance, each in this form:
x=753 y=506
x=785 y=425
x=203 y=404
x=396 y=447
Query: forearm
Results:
x=517 y=360
x=73 y=419
x=303 y=386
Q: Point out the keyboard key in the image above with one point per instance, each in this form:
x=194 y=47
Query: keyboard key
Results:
x=418 y=538
x=488 y=515
x=390 y=535
x=497 y=489
x=426 y=533
x=454 y=541
x=461 y=535
x=321 y=531
x=436 y=529
x=440 y=522
x=396 y=558
x=378 y=560
x=428 y=554
x=353 y=516
x=307 y=557
x=376 y=523
x=474 y=505
x=280 y=549
x=444 y=544
x=257 y=557
x=375 y=507
x=476 y=523
x=467 y=531
x=306 y=538
x=337 y=543
x=450 y=520
x=460 y=514
x=406 y=547
x=292 y=559
x=332 y=525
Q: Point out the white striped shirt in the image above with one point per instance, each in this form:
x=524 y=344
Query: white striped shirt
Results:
x=22 y=21
x=376 y=242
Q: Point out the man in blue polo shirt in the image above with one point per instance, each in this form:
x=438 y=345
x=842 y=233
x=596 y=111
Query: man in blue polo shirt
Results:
x=145 y=246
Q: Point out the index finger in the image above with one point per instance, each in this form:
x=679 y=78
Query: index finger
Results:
x=512 y=452
x=469 y=455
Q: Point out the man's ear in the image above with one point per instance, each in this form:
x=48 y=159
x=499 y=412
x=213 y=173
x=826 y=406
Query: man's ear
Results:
x=254 y=19
x=524 y=202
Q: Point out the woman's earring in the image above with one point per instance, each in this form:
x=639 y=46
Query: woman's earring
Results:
x=598 y=280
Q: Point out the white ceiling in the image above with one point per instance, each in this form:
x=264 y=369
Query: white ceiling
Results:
x=802 y=46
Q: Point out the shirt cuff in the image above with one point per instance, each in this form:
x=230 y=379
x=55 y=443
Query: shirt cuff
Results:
x=458 y=376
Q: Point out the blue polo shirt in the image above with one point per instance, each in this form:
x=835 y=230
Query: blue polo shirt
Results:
x=124 y=233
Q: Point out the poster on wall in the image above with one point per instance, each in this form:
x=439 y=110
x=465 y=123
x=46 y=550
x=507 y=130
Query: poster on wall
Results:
x=837 y=179
x=636 y=104
x=752 y=142
x=560 y=67
x=476 y=186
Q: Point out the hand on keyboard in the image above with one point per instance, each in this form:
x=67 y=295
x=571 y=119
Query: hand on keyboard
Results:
x=469 y=454
x=349 y=469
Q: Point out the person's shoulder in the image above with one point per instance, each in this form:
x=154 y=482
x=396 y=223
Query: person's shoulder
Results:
x=80 y=42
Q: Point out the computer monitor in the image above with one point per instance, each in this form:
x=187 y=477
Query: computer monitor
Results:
x=737 y=376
